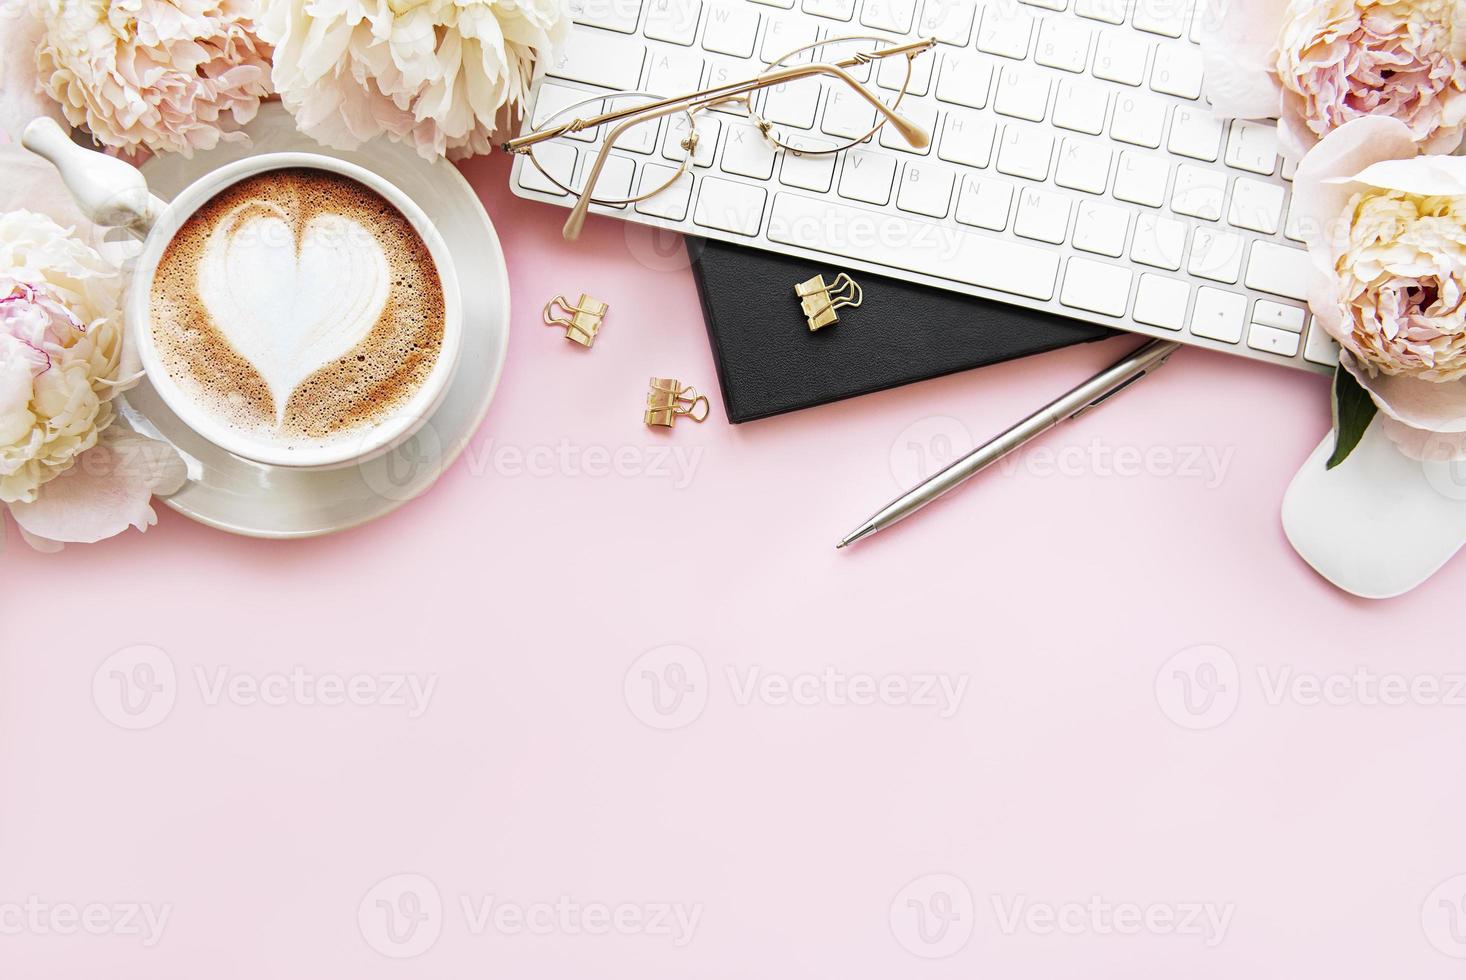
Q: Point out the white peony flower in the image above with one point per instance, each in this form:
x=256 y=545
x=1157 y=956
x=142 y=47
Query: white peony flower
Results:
x=164 y=75
x=435 y=73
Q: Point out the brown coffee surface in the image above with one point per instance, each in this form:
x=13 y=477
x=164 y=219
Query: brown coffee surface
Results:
x=365 y=386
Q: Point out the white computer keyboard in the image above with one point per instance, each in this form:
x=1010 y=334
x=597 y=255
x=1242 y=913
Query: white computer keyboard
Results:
x=1073 y=165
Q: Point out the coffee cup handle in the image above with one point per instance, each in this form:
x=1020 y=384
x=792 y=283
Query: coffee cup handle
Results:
x=110 y=192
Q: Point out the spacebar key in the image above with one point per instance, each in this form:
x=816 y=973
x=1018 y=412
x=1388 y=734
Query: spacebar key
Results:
x=915 y=246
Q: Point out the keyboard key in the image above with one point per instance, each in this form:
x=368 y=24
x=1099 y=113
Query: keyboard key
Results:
x=812 y=171
x=1252 y=146
x=786 y=34
x=984 y=203
x=1083 y=166
x=612 y=15
x=1164 y=17
x=792 y=104
x=1216 y=255
x=614 y=182
x=1048 y=4
x=926 y=189
x=833 y=9
x=1022 y=93
x=670 y=203
x=949 y=21
x=924 y=114
x=786 y=4
x=1004 y=31
x=558 y=158
x=1195 y=133
x=892 y=16
x=674 y=21
x=1218 y=315
x=967 y=137
x=552 y=98
x=1101 y=228
x=707 y=139
x=1025 y=152
x=1095 y=286
x=867 y=176
x=915 y=245
x=1042 y=216
x=674 y=72
x=599 y=58
x=1290 y=167
x=917 y=75
x=1320 y=348
x=1255 y=205
x=1139 y=119
x=746 y=152
x=1272 y=340
x=1161 y=301
x=641 y=138
x=1141 y=179
x=1080 y=106
x=1279 y=270
x=1158 y=241
x=1177 y=71
x=1063 y=44
x=1292 y=227
x=1109 y=11
x=729 y=206
x=964 y=79
x=1119 y=56
x=1199 y=192
x=847 y=114
x=1278 y=315
x=731 y=29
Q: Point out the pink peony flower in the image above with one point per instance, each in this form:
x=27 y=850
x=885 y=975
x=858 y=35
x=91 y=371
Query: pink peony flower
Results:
x=435 y=73
x=1386 y=233
x=162 y=75
x=1317 y=65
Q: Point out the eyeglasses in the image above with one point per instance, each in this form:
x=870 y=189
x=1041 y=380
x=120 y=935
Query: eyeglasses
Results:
x=781 y=103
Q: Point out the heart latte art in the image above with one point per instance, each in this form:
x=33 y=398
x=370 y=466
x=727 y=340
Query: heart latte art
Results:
x=297 y=307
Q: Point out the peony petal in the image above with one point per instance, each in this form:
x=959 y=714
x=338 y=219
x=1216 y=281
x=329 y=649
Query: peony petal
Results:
x=1444 y=176
x=1421 y=444
x=108 y=489
x=1430 y=405
x=21 y=96
x=1324 y=181
x=1237 y=42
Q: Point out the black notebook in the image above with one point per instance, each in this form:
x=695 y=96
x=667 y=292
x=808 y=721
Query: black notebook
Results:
x=770 y=362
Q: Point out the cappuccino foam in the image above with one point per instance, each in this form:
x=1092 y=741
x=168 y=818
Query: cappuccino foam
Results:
x=297 y=307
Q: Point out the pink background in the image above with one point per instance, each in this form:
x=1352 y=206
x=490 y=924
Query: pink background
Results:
x=811 y=837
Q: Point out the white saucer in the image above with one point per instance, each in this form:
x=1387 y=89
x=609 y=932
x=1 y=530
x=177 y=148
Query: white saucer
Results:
x=244 y=497
x=1379 y=523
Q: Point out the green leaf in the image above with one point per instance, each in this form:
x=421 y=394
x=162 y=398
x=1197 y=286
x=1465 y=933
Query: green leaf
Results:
x=1353 y=411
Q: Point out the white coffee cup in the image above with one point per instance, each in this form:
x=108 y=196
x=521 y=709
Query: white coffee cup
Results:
x=112 y=193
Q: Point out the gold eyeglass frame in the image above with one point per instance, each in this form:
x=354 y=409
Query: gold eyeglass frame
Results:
x=695 y=102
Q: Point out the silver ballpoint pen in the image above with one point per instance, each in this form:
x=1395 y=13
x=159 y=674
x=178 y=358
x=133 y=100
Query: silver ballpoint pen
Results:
x=1129 y=369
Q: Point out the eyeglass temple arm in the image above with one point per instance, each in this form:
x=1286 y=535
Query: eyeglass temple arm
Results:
x=913 y=134
x=576 y=220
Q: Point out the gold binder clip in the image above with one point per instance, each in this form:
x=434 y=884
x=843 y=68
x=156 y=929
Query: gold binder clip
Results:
x=582 y=323
x=820 y=301
x=668 y=400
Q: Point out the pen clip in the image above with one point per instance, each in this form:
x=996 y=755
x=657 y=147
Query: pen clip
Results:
x=1112 y=392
